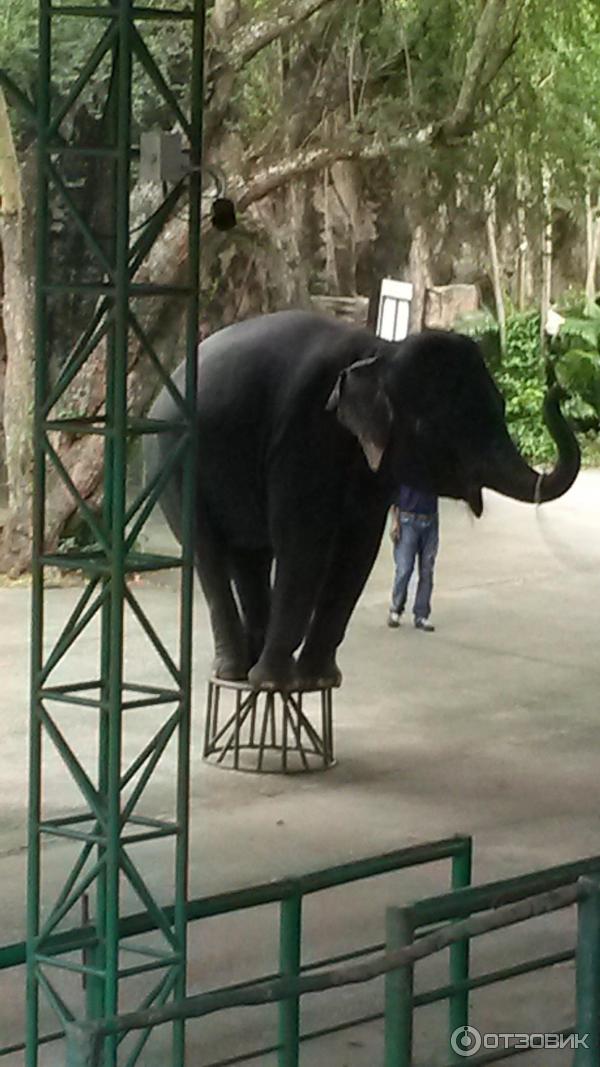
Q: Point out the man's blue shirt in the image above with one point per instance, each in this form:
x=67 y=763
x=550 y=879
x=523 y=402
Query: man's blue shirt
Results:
x=416 y=502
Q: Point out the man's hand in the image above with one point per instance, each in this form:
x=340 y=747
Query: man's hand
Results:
x=395 y=528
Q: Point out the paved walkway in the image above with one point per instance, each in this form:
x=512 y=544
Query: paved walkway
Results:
x=489 y=726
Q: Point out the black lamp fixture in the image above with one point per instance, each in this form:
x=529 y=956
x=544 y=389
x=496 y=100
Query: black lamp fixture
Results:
x=222 y=210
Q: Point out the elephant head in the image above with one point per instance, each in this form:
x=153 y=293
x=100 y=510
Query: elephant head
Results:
x=428 y=413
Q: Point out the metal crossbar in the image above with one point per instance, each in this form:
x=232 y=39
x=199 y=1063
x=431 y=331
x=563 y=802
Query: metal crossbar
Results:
x=397 y=964
x=287 y=893
x=557 y=886
x=457 y=848
x=286 y=988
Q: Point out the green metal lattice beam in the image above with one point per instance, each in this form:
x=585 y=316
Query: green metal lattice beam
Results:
x=108 y=823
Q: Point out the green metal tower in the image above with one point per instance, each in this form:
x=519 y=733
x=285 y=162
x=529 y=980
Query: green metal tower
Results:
x=107 y=822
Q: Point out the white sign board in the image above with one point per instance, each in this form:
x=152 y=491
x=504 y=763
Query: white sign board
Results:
x=394 y=309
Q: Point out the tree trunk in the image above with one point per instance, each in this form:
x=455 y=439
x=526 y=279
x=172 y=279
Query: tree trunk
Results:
x=331 y=272
x=17 y=183
x=490 y=228
x=592 y=231
x=83 y=458
x=523 y=258
x=225 y=13
x=485 y=58
x=356 y=220
x=547 y=251
x=420 y=276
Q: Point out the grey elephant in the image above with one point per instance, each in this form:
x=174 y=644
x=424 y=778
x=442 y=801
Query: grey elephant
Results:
x=306 y=426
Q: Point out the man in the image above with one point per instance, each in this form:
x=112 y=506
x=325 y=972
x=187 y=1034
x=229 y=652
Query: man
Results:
x=414 y=534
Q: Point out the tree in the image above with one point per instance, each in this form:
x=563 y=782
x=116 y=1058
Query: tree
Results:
x=395 y=89
x=16 y=237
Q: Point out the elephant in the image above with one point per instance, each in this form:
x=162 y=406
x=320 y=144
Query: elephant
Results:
x=306 y=425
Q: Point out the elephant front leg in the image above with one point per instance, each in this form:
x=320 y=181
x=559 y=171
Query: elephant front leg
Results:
x=301 y=564
x=356 y=551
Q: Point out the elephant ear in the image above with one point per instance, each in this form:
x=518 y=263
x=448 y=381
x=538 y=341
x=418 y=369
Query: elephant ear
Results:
x=363 y=407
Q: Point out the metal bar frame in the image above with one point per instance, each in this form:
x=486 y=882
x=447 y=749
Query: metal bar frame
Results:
x=458 y=1002
x=449 y=907
x=399 y=985
x=111 y=821
x=282 y=722
x=290 y=959
x=84 y=939
x=588 y=973
x=397 y=964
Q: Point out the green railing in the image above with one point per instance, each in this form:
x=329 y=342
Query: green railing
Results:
x=488 y=908
x=289 y=893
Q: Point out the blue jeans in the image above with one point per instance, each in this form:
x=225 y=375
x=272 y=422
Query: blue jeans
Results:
x=419 y=537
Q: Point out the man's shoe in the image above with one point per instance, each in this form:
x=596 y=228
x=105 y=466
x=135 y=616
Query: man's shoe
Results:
x=393 y=619
x=422 y=624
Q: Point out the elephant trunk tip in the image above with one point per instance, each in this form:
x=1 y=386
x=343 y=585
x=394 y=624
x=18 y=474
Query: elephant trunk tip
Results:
x=512 y=475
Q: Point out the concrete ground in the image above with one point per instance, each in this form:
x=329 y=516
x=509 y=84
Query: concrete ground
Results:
x=490 y=727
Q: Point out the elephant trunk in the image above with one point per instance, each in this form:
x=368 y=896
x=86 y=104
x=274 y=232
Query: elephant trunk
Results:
x=513 y=477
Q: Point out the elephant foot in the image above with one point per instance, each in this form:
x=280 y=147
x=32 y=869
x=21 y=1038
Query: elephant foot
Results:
x=323 y=674
x=230 y=670
x=276 y=675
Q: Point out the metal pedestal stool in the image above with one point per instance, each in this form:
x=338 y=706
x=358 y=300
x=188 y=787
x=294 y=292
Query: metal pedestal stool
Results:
x=276 y=732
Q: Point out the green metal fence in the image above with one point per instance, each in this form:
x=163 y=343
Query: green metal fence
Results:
x=456 y=918
x=289 y=894
x=418 y=930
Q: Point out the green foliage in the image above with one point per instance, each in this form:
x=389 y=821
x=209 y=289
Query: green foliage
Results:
x=583 y=331
x=580 y=374
x=577 y=355
x=257 y=96
x=72 y=43
x=521 y=379
x=521 y=373
x=73 y=40
x=482 y=326
x=519 y=376
x=18 y=40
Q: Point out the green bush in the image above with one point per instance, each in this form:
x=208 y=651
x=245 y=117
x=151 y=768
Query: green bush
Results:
x=577 y=354
x=522 y=381
x=521 y=373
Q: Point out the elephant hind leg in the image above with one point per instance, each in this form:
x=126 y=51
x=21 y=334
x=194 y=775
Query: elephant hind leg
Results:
x=231 y=658
x=210 y=559
x=251 y=573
